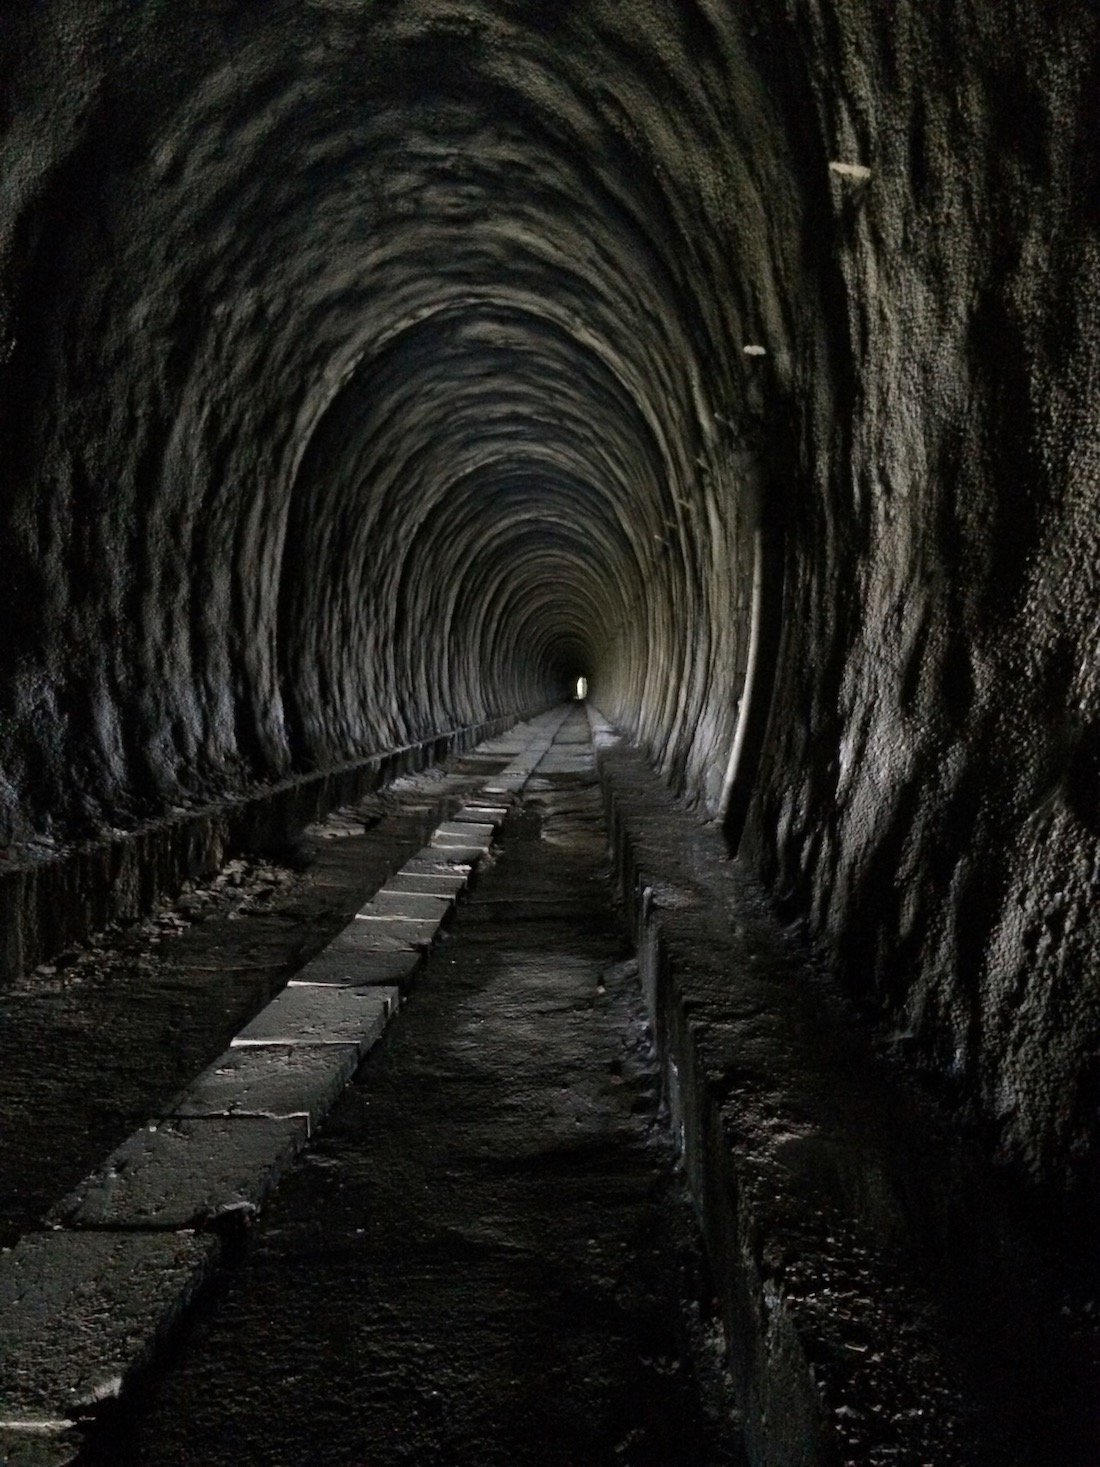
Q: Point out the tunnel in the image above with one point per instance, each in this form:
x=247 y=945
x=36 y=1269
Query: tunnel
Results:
x=377 y=374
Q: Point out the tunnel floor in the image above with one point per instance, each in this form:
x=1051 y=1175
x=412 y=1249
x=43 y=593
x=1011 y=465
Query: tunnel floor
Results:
x=486 y=1254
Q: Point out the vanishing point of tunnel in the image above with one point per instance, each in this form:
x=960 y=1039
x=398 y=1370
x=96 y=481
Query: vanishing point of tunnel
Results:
x=663 y=435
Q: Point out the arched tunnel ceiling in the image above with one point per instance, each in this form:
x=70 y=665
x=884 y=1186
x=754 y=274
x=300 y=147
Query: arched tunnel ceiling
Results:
x=421 y=384
x=374 y=367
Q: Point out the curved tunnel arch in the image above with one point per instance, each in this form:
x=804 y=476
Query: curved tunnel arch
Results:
x=477 y=430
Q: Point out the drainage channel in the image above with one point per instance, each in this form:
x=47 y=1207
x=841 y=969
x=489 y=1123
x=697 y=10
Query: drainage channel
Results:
x=87 y=1302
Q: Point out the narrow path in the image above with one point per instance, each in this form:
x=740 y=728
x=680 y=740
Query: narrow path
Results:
x=485 y=1256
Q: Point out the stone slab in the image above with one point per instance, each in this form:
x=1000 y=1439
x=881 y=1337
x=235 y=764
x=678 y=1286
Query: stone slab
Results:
x=49 y=904
x=431 y=883
x=322 y=1014
x=464 y=832
x=391 y=902
x=361 y=940
x=468 y=855
x=184 y=1173
x=440 y=858
x=494 y=815
x=434 y=862
x=568 y=763
x=349 y=963
x=796 y=1135
x=446 y=841
x=385 y=932
x=272 y=1081
x=79 y=1312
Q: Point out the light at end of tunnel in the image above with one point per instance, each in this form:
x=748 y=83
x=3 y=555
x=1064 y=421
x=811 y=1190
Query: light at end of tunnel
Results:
x=582 y=689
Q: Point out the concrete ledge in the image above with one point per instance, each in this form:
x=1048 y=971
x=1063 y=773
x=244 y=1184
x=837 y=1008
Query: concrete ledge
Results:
x=384 y=933
x=435 y=859
x=460 y=832
x=322 y=1014
x=423 y=883
x=271 y=1082
x=363 y=939
x=389 y=901
x=45 y=905
x=354 y=965
x=184 y=1174
x=881 y=1303
x=80 y=1311
x=429 y=862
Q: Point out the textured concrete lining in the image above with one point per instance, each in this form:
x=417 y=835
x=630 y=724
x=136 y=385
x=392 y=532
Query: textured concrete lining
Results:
x=46 y=905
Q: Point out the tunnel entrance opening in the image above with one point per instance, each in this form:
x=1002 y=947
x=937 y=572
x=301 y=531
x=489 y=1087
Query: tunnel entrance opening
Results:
x=580 y=691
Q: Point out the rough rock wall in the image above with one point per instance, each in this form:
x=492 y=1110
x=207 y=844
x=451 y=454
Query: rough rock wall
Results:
x=932 y=789
x=367 y=366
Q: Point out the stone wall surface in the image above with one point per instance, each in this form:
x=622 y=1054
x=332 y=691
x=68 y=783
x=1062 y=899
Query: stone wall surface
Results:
x=370 y=368
x=931 y=794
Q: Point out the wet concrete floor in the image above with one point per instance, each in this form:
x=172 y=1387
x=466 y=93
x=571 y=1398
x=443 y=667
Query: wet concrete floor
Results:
x=486 y=1255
